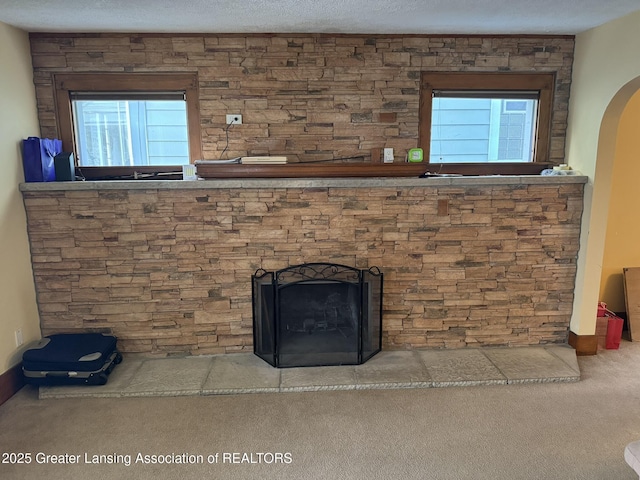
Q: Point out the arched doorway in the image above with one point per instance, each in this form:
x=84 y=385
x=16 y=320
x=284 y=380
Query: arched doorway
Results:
x=623 y=228
x=597 y=201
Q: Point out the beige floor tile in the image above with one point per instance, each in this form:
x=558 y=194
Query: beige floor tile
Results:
x=392 y=367
x=565 y=353
x=241 y=372
x=459 y=366
x=170 y=376
x=532 y=363
x=318 y=378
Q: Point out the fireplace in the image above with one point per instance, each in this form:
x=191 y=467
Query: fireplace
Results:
x=317 y=314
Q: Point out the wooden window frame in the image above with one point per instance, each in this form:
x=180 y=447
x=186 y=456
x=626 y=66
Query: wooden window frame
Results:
x=66 y=83
x=541 y=82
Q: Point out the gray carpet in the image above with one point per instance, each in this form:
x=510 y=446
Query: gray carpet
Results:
x=529 y=431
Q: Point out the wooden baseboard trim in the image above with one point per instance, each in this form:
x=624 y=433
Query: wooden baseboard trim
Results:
x=10 y=382
x=584 y=344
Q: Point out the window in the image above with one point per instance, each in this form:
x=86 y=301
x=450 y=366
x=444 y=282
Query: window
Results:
x=112 y=130
x=489 y=128
x=485 y=118
x=129 y=120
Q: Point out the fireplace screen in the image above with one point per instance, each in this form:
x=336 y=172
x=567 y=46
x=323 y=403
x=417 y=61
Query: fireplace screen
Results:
x=317 y=314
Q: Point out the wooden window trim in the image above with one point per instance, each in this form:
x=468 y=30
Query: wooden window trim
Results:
x=541 y=82
x=65 y=83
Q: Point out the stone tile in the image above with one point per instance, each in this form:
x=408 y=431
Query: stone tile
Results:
x=565 y=353
x=460 y=367
x=246 y=373
x=241 y=373
x=530 y=364
x=119 y=378
x=169 y=377
x=393 y=369
x=317 y=378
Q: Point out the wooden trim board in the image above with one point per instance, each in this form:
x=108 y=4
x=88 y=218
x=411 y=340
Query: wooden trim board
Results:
x=584 y=344
x=631 y=277
x=310 y=170
x=369 y=169
x=10 y=382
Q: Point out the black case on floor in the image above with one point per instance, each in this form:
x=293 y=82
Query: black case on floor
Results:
x=71 y=359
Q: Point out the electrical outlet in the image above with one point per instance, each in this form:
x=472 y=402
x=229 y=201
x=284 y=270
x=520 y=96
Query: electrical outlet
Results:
x=19 y=339
x=235 y=119
x=388 y=155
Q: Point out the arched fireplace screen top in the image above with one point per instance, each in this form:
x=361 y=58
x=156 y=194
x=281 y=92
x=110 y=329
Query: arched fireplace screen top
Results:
x=317 y=314
x=320 y=271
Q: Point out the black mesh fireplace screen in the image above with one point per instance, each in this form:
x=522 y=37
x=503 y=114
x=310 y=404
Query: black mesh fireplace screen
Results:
x=317 y=314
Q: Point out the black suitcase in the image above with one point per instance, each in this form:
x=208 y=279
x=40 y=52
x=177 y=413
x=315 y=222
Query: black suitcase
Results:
x=71 y=359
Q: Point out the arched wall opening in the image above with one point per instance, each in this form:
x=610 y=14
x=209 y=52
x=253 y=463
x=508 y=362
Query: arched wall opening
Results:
x=598 y=195
x=623 y=228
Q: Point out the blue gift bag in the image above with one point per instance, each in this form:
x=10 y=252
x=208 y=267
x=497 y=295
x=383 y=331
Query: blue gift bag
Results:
x=37 y=158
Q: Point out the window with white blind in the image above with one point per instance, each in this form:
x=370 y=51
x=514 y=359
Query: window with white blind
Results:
x=130 y=129
x=479 y=118
x=129 y=120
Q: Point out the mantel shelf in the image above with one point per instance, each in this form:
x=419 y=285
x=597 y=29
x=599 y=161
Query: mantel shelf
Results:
x=313 y=170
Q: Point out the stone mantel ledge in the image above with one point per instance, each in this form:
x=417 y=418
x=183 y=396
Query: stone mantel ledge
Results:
x=387 y=182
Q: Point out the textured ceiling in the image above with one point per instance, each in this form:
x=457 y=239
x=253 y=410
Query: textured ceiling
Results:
x=314 y=16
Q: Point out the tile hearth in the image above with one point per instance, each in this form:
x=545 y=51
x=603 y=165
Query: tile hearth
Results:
x=139 y=376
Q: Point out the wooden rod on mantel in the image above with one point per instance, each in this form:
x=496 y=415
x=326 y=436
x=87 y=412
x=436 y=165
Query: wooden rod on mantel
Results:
x=311 y=170
x=307 y=170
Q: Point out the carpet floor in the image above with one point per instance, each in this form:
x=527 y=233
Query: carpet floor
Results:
x=574 y=430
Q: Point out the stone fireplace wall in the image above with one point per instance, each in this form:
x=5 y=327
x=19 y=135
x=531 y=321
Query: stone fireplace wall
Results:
x=166 y=266
x=309 y=97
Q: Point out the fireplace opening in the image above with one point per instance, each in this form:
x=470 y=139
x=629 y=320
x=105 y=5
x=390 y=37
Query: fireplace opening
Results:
x=317 y=314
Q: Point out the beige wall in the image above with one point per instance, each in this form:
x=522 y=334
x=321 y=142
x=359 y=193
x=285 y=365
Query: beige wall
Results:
x=605 y=77
x=17 y=120
x=623 y=229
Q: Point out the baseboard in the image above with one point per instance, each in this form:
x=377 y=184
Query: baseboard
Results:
x=584 y=344
x=10 y=382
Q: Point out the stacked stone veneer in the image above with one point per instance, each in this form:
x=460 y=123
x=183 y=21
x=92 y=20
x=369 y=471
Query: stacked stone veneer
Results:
x=309 y=97
x=168 y=270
